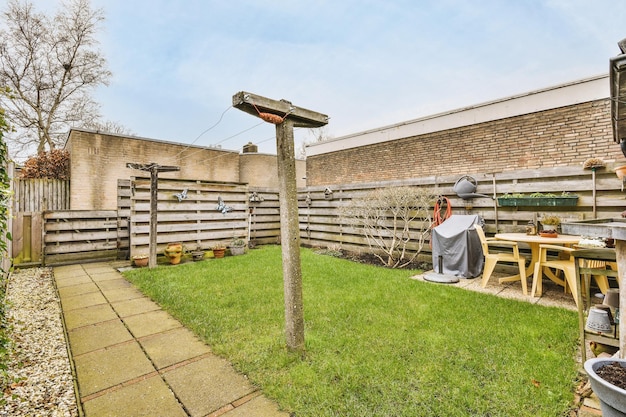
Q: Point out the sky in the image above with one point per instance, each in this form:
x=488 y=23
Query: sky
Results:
x=365 y=63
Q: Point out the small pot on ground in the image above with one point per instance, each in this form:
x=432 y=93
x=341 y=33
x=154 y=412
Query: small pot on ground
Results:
x=174 y=252
x=140 y=260
x=612 y=398
x=237 y=247
x=218 y=252
x=197 y=255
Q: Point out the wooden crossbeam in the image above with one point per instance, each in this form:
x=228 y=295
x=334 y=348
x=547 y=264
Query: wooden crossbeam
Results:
x=301 y=117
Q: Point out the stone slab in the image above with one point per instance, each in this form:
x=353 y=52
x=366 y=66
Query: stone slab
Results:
x=114 y=284
x=149 y=397
x=82 y=300
x=151 y=322
x=207 y=385
x=98 y=336
x=62 y=282
x=105 y=276
x=159 y=347
x=102 y=369
x=121 y=294
x=257 y=407
x=127 y=308
x=78 y=289
x=88 y=315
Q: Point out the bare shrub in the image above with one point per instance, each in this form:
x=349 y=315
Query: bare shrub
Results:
x=396 y=222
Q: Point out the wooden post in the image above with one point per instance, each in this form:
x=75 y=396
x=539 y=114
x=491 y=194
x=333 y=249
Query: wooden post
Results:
x=288 y=116
x=620 y=253
x=290 y=236
x=154 y=192
x=154 y=169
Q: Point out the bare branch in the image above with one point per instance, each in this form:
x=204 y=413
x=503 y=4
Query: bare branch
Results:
x=52 y=66
x=395 y=221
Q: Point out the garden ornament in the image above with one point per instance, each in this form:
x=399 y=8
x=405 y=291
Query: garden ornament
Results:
x=465 y=187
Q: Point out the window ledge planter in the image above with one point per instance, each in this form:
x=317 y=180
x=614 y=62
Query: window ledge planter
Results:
x=560 y=201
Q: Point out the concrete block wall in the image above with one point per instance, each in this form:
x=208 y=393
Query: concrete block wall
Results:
x=99 y=160
x=564 y=136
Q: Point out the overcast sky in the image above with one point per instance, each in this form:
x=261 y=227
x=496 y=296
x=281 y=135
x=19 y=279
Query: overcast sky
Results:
x=177 y=63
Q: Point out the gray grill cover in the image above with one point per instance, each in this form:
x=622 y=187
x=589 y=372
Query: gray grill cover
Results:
x=459 y=245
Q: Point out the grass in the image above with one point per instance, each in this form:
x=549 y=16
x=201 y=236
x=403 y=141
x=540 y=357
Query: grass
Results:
x=377 y=342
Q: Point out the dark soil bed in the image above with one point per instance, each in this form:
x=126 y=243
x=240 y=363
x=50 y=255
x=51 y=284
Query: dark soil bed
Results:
x=614 y=374
x=370 y=259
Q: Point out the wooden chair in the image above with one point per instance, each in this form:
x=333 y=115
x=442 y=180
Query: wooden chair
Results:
x=563 y=263
x=492 y=258
x=588 y=263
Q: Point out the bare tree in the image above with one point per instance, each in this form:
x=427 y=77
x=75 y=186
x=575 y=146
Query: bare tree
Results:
x=395 y=221
x=315 y=135
x=52 y=67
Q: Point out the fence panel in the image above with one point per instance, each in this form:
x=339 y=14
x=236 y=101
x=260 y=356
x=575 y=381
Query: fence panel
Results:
x=188 y=212
x=80 y=235
x=36 y=195
x=321 y=223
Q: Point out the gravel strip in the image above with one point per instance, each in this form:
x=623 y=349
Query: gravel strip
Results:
x=40 y=366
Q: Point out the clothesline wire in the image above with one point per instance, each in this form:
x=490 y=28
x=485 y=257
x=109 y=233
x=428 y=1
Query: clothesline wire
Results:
x=205 y=131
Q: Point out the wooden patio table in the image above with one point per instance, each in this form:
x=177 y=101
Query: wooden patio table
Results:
x=534 y=241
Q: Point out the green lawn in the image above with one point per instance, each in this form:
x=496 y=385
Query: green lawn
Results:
x=377 y=342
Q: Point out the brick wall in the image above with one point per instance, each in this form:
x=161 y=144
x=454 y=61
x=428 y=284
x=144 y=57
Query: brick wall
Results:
x=261 y=170
x=563 y=136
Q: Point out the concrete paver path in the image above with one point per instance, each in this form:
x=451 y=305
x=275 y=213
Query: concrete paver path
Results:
x=133 y=359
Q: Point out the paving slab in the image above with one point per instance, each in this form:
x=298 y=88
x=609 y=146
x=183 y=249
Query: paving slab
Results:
x=105 y=276
x=106 y=368
x=149 y=397
x=158 y=347
x=258 y=406
x=207 y=385
x=69 y=281
x=98 y=336
x=88 y=315
x=68 y=270
x=78 y=289
x=97 y=268
x=80 y=301
x=120 y=294
x=127 y=308
x=114 y=284
x=152 y=322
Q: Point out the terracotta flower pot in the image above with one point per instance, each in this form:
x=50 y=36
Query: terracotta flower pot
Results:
x=174 y=252
x=219 y=252
x=141 y=260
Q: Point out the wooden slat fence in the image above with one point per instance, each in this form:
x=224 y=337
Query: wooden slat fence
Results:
x=195 y=221
x=30 y=198
x=36 y=195
x=322 y=225
x=255 y=214
x=79 y=235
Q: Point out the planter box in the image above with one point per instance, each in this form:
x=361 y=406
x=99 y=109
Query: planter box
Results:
x=538 y=201
x=612 y=398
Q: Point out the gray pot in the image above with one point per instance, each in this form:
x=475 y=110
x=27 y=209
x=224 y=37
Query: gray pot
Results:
x=612 y=398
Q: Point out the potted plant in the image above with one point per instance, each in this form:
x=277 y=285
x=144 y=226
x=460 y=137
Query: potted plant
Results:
x=141 y=260
x=549 y=225
x=612 y=396
x=197 y=254
x=538 y=200
x=237 y=246
x=219 y=250
x=174 y=252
